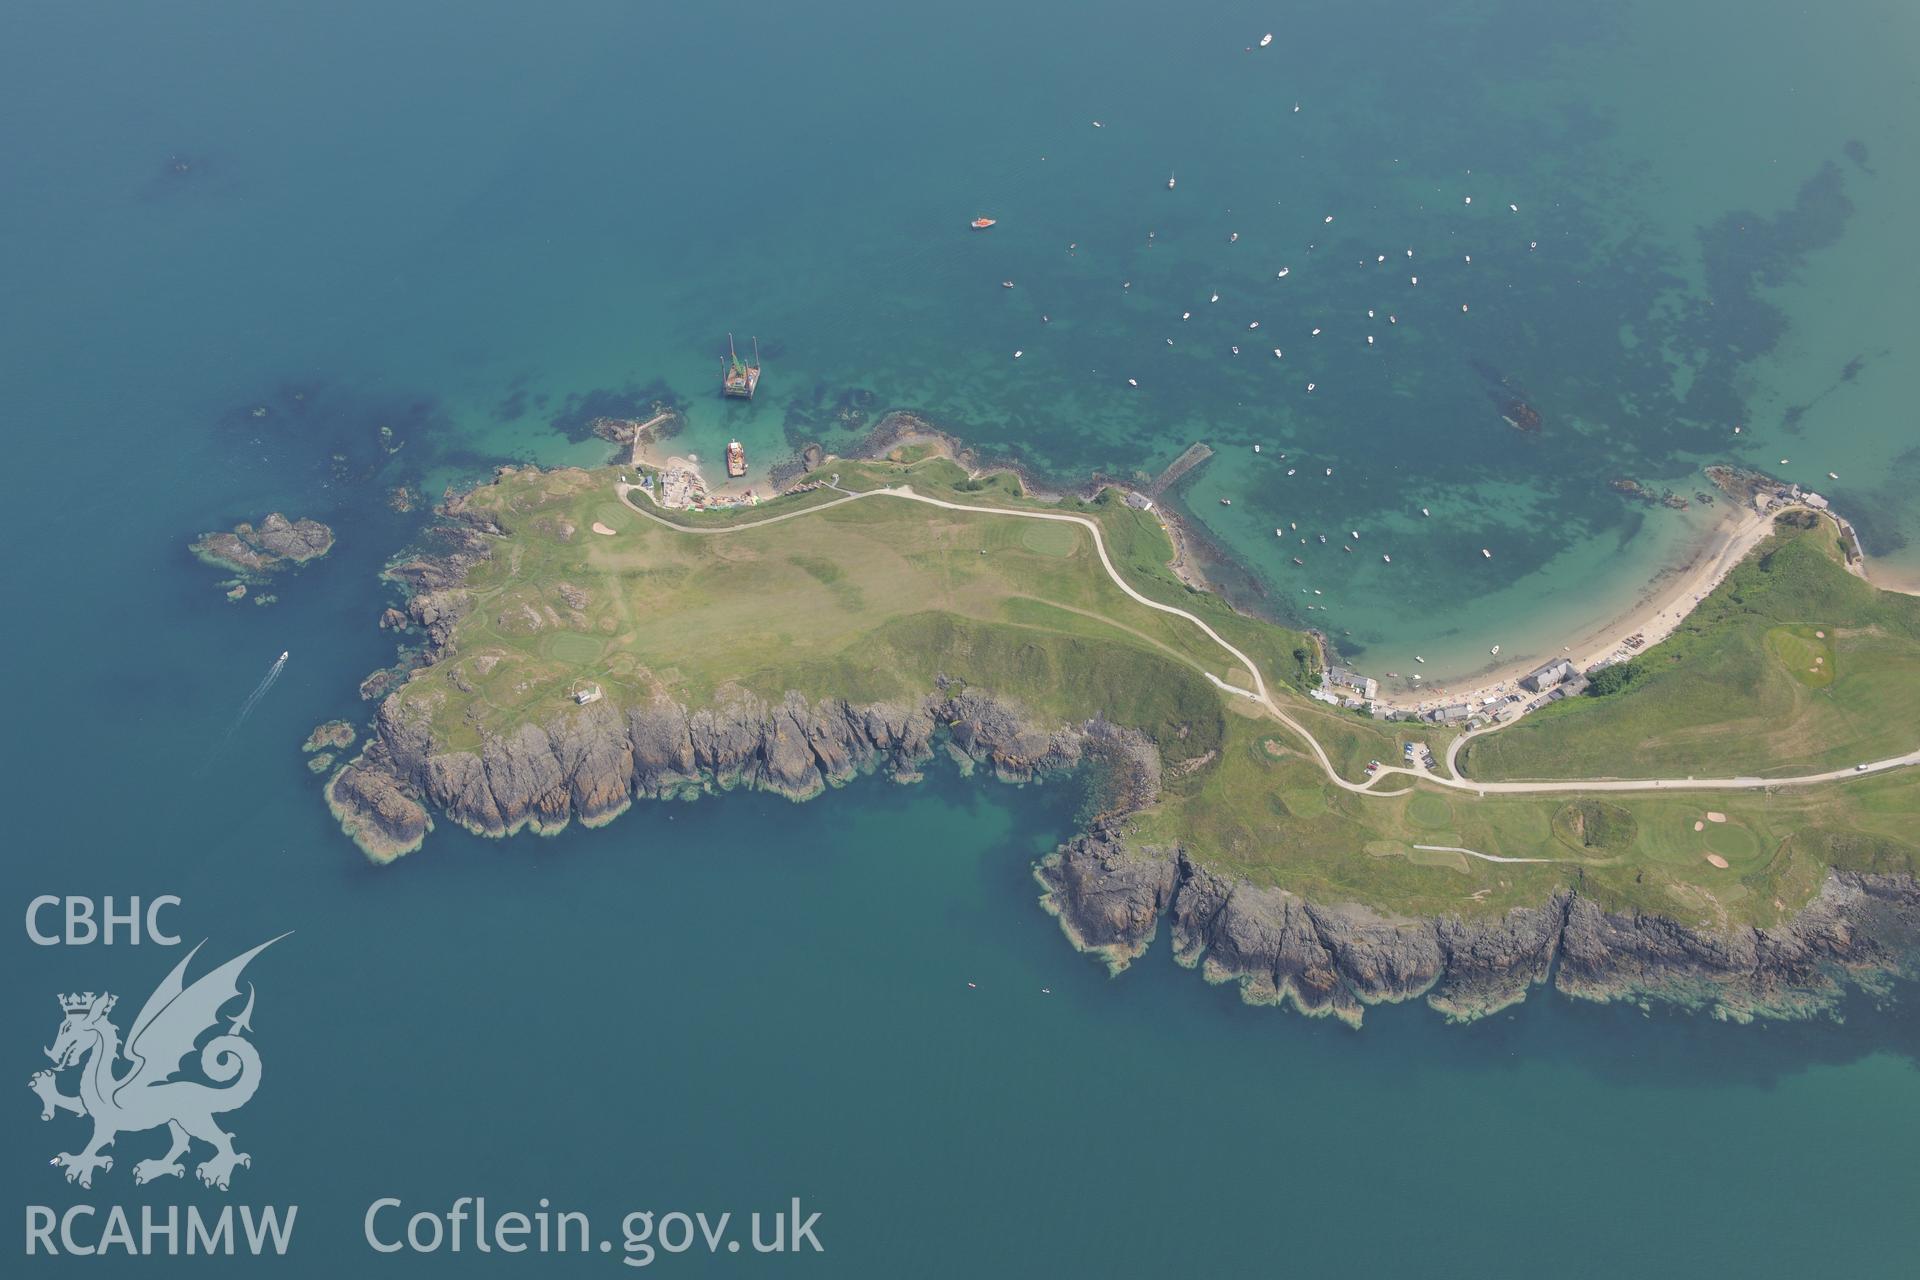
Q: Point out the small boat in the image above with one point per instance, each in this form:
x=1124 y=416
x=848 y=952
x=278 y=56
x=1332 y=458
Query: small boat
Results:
x=1254 y=325
x=1226 y=502
x=981 y=224
x=1277 y=355
x=1098 y=125
x=1132 y=383
x=1344 y=547
x=1832 y=476
x=1329 y=472
x=1169 y=182
x=1302 y=563
x=1418 y=658
x=1266 y=39
x=1233 y=237
x=1426 y=513
x=1369 y=339
x=1323 y=539
x=1495 y=650
x=1386 y=559
x=1186 y=315
x=1316 y=333
x=1256 y=449
x=1279 y=533
x=736 y=459
x=1018 y=354
x=1214 y=298
x=1488 y=554
x=1355 y=533
x=1283 y=273
x=1514 y=207
x=1316 y=591
x=1236 y=351
x=1006 y=284
x=1310 y=386
x=1290 y=472
x=284 y=653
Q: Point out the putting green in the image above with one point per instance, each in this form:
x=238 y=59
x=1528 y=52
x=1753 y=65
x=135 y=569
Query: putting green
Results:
x=1806 y=653
x=1730 y=840
x=571 y=646
x=1428 y=810
x=1048 y=537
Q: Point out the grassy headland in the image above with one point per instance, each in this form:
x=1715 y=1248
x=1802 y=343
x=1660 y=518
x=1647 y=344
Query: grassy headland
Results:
x=1792 y=665
x=881 y=599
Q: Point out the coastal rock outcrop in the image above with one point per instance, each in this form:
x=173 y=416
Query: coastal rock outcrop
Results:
x=1337 y=959
x=591 y=762
x=258 y=550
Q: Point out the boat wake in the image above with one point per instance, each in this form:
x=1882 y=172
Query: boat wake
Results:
x=259 y=692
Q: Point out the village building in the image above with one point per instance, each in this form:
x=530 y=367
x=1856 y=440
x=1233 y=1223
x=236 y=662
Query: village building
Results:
x=1547 y=675
x=1339 y=677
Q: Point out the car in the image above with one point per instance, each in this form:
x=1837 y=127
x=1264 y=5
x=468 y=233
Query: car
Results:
x=1860 y=768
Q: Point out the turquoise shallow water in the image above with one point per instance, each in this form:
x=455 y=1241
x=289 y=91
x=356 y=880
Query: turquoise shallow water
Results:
x=478 y=230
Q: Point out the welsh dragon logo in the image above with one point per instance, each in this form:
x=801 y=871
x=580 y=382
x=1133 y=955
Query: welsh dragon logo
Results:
x=146 y=1095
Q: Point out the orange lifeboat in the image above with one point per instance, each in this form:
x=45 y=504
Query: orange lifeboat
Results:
x=981 y=224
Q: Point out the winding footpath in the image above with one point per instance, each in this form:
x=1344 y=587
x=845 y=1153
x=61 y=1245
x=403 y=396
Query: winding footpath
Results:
x=1452 y=778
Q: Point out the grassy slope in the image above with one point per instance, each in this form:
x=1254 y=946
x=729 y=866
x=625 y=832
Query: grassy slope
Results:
x=872 y=599
x=869 y=600
x=1748 y=685
x=1263 y=812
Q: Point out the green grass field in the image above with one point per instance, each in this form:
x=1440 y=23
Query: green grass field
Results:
x=869 y=600
x=1793 y=665
x=876 y=599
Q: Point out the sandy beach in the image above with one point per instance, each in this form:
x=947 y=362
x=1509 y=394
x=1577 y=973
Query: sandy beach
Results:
x=1668 y=599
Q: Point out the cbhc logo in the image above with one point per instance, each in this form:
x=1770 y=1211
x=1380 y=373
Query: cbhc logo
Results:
x=85 y=924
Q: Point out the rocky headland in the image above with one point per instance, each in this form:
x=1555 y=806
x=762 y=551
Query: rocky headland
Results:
x=1109 y=891
x=1336 y=959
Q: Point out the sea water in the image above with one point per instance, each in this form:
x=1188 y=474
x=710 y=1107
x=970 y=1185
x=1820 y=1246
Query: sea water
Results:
x=478 y=230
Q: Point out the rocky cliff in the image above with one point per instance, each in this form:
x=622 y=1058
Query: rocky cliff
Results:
x=589 y=763
x=1109 y=893
x=1110 y=897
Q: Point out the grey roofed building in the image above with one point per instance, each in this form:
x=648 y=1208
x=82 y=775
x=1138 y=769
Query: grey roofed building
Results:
x=1347 y=678
x=1547 y=674
x=1139 y=502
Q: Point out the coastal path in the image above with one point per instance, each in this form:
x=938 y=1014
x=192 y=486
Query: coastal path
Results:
x=1259 y=693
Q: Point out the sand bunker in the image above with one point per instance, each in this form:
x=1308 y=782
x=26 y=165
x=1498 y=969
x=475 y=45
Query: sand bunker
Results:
x=1717 y=861
x=1699 y=826
x=1820 y=635
x=600 y=528
x=1713 y=816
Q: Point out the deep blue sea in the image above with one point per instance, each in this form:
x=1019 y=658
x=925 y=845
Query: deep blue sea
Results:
x=240 y=240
